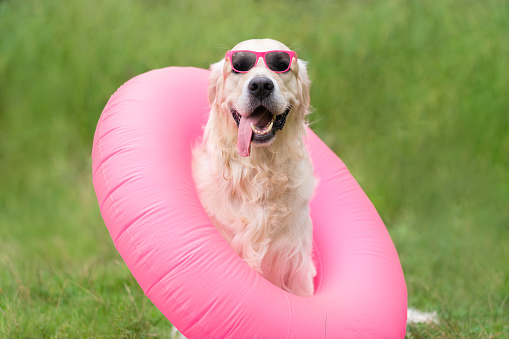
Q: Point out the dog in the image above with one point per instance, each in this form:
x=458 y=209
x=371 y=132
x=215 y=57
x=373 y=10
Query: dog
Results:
x=252 y=171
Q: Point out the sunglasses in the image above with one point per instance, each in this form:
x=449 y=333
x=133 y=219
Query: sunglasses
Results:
x=277 y=61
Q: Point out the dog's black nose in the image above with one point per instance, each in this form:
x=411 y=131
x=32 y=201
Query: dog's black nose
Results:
x=261 y=87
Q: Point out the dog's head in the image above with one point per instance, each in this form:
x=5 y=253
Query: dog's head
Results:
x=259 y=97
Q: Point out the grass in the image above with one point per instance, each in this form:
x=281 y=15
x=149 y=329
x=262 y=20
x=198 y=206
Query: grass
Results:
x=411 y=94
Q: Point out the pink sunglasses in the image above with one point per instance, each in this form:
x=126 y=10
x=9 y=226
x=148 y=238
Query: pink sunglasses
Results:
x=277 y=61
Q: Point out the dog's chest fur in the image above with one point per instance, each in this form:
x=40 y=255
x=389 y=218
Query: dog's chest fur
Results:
x=259 y=204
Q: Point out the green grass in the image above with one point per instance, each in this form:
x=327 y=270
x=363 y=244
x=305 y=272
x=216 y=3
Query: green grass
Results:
x=413 y=96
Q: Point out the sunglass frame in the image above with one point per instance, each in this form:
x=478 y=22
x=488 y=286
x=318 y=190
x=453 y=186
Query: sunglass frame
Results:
x=291 y=54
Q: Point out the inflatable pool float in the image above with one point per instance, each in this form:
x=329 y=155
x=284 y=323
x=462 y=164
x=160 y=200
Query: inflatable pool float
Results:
x=142 y=178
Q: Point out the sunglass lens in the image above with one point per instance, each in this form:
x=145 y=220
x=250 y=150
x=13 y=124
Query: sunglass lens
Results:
x=243 y=61
x=278 y=61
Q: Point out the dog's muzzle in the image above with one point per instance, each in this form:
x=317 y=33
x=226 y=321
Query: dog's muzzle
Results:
x=258 y=127
x=279 y=120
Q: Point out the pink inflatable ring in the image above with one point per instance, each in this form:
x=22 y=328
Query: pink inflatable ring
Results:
x=142 y=178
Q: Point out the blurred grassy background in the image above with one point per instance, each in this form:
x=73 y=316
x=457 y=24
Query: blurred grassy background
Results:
x=412 y=95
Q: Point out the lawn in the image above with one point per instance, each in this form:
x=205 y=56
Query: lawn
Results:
x=412 y=95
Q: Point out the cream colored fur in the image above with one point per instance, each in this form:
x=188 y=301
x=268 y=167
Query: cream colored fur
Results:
x=260 y=203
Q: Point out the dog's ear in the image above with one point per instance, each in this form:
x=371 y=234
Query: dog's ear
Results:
x=304 y=82
x=215 y=80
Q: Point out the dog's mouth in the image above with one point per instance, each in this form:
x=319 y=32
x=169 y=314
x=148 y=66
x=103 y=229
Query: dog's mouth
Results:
x=259 y=127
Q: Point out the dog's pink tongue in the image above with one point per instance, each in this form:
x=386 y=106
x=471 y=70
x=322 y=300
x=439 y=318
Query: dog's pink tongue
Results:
x=246 y=133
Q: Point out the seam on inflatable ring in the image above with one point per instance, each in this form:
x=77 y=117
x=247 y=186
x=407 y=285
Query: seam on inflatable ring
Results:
x=104 y=175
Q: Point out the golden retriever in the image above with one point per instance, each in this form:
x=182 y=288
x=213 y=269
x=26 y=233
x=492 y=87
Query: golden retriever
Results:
x=252 y=171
